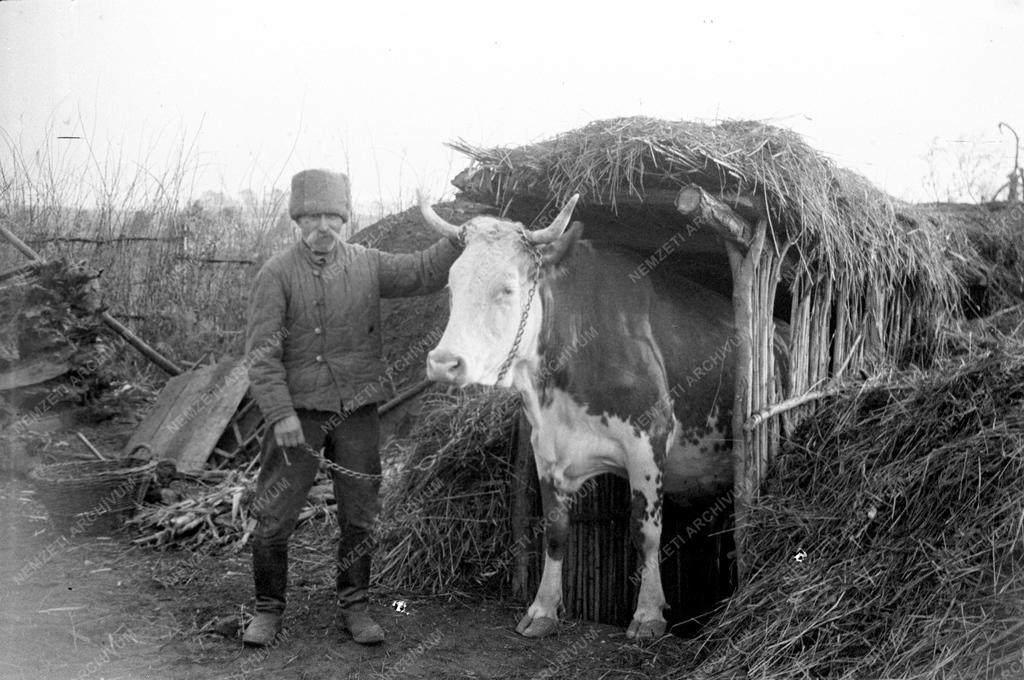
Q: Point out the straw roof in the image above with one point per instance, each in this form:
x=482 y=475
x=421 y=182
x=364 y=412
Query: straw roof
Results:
x=839 y=223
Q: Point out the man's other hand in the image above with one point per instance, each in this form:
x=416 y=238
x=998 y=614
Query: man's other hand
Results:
x=288 y=431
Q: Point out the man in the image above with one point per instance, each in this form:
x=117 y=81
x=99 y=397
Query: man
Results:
x=314 y=339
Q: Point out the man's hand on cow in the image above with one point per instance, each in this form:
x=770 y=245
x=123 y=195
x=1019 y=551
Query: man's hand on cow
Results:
x=288 y=431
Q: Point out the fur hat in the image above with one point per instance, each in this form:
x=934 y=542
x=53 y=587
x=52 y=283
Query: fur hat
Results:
x=319 y=192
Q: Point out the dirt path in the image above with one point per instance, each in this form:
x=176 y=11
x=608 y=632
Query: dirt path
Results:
x=97 y=607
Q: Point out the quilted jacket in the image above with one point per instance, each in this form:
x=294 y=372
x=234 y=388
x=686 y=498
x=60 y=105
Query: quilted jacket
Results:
x=314 y=339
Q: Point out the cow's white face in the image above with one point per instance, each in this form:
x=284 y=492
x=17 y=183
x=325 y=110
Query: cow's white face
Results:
x=490 y=284
x=488 y=287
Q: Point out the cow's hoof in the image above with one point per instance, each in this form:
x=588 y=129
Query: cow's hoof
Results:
x=542 y=626
x=645 y=630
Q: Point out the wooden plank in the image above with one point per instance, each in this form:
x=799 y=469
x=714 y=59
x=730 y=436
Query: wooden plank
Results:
x=191 y=414
x=151 y=426
x=35 y=371
x=219 y=401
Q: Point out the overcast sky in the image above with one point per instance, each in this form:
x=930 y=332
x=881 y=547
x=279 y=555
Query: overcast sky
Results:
x=266 y=89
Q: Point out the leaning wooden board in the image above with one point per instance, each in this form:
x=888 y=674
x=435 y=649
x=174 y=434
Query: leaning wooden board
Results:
x=36 y=371
x=191 y=413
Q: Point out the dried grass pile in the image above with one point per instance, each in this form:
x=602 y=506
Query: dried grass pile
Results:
x=445 y=522
x=219 y=515
x=889 y=542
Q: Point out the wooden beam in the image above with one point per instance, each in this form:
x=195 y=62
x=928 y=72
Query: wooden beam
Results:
x=704 y=210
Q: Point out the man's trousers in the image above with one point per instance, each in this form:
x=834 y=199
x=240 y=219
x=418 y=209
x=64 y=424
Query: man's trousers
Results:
x=286 y=475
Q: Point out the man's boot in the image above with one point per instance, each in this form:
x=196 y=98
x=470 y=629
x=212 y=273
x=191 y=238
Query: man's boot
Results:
x=262 y=630
x=361 y=625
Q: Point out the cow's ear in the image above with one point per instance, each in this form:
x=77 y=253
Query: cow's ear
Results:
x=554 y=253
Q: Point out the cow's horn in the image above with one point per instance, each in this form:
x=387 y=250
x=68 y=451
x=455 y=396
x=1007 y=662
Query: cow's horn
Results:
x=555 y=229
x=433 y=219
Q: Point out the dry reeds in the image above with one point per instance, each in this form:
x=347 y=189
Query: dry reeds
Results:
x=173 y=269
x=888 y=542
x=446 y=520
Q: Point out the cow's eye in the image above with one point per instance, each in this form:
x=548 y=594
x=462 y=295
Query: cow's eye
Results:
x=505 y=291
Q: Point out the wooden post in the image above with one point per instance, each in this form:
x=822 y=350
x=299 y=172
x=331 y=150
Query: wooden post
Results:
x=746 y=480
x=743 y=245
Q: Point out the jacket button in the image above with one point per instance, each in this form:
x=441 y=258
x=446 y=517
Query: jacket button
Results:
x=317 y=330
x=319 y=358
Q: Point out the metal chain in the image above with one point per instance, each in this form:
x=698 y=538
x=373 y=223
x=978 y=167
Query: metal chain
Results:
x=535 y=279
x=331 y=465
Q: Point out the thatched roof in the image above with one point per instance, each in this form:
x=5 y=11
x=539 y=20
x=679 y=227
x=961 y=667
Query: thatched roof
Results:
x=840 y=224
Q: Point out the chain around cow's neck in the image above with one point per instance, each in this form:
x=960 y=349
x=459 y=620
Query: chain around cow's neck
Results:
x=534 y=280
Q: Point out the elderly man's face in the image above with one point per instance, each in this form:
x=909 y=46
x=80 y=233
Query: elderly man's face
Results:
x=322 y=232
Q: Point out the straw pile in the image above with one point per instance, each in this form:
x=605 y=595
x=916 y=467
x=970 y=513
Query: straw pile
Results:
x=446 y=523
x=889 y=543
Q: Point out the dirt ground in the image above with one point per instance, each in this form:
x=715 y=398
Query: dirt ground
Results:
x=78 y=606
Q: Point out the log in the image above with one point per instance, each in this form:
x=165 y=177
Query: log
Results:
x=138 y=343
x=135 y=341
x=705 y=210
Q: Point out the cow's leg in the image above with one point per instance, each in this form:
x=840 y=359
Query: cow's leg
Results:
x=645 y=481
x=542 y=616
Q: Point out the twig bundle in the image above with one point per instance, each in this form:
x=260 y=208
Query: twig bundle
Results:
x=888 y=542
x=446 y=521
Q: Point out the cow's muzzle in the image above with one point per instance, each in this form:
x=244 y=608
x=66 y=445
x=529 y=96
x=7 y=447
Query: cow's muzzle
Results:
x=445 y=366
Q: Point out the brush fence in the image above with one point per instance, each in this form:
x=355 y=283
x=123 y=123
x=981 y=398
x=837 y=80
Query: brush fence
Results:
x=601 y=574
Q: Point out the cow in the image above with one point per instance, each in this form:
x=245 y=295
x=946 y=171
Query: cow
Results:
x=620 y=370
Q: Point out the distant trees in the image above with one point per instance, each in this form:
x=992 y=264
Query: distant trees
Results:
x=975 y=168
